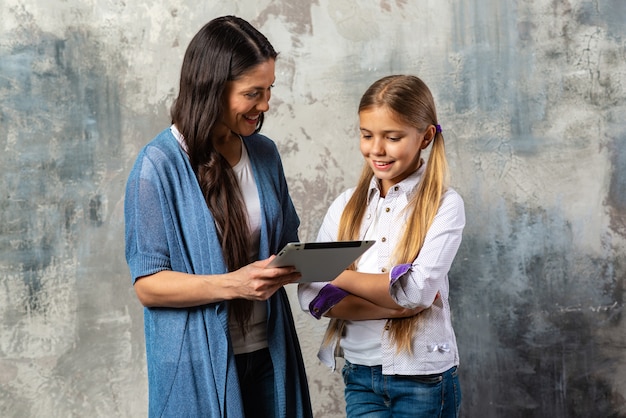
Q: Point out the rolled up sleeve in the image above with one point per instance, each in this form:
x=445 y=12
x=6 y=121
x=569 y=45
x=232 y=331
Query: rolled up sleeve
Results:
x=416 y=284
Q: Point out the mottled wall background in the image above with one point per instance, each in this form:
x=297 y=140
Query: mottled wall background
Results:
x=531 y=96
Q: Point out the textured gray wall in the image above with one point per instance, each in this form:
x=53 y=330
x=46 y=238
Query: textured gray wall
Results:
x=531 y=96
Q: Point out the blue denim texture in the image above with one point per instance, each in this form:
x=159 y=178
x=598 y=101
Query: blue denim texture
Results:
x=371 y=394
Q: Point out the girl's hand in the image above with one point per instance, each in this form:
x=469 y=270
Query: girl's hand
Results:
x=406 y=312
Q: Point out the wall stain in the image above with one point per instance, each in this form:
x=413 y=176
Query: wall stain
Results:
x=547 y=315
x=616 y=199
x=51 y=163
x=296 y=13
x=60 y=132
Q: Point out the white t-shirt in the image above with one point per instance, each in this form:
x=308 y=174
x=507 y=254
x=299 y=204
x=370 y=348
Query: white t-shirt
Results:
x=256 y=337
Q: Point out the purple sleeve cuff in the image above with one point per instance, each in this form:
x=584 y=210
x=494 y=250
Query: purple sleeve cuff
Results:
x=329 y=296
x=399 y=271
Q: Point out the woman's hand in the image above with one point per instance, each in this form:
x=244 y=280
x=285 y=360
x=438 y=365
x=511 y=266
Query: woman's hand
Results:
x=172 y=289
x=256 y=282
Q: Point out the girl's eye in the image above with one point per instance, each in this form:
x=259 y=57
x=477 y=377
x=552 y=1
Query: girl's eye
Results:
x=393 y=139
x=253 y=95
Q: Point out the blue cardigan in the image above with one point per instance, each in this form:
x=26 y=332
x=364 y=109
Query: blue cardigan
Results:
x=191 y=366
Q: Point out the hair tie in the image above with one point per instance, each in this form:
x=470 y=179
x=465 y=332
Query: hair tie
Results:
x=438 y=129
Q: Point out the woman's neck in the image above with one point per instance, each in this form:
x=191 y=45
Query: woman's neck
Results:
x=230 y=147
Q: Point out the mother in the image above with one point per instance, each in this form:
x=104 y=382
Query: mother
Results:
x=206 y=206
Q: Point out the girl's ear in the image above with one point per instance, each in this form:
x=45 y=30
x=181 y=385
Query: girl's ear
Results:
x=429 y=135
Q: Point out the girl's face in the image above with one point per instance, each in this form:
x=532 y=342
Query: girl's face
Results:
x=390 y=147
x=246 y=98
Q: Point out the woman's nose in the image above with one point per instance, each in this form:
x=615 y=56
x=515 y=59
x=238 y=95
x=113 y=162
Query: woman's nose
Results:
x=264 y=103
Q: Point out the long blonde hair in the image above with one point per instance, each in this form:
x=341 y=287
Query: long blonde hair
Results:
x=411 y=101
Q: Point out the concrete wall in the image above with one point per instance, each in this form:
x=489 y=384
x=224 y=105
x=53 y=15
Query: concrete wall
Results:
x=531 y=96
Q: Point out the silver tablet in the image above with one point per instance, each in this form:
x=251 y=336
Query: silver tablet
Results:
x=320 y=261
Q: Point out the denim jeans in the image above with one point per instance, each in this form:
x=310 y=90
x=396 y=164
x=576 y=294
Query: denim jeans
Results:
x=256 y=380
x=371 y=394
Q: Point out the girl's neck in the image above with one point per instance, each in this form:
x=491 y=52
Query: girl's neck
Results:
x=384 y=187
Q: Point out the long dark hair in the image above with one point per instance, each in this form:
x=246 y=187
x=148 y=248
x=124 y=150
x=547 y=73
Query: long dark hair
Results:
x=223 y=50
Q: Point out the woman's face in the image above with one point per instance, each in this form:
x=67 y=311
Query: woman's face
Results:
x=246 y=98
x=390 y=147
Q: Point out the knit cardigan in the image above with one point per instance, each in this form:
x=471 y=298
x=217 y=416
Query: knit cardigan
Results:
x=191 y=366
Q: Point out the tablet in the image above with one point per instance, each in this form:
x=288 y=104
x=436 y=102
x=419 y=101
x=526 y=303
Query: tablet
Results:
x=320 y=261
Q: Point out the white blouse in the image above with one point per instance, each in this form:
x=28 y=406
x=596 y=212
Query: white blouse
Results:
x=411 y=285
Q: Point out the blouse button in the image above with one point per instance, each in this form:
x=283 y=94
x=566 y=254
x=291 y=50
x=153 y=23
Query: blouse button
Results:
x=316 y=310
x=369 y=215
x=387 y=209
x=384 y=270
x=396 y=188
x=383 y=239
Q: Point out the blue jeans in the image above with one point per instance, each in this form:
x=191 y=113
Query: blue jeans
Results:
x=256 y=380
x=370 y=393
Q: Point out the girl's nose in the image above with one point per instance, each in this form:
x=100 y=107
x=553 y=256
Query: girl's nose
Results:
x=378 y=147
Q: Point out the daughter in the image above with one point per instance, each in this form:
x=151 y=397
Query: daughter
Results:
x=390 y=311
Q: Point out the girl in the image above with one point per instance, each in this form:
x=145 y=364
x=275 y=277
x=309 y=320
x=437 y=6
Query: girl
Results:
x=206 y=204
x=391 y=316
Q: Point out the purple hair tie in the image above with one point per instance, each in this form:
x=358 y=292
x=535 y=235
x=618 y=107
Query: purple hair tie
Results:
x=438 y=129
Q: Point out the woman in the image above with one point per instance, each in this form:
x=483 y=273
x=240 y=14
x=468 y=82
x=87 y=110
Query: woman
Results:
x=206 y=206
